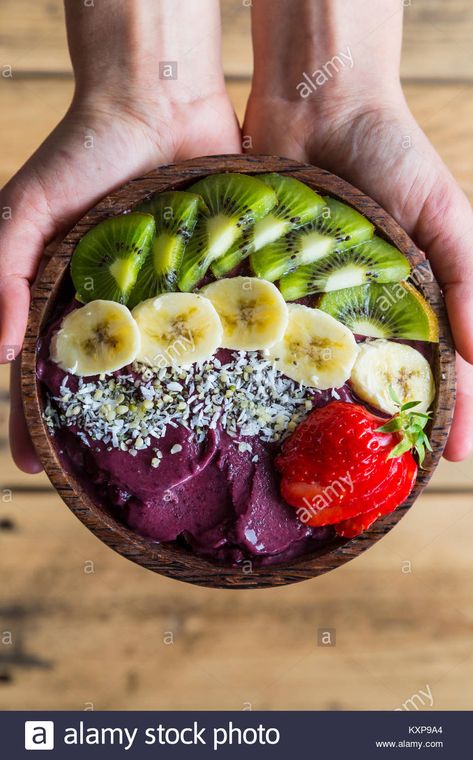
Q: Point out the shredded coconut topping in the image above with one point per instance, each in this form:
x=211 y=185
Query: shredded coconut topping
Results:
x=247 y=397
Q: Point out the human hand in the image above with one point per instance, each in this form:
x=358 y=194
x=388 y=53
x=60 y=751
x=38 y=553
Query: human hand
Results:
x=360 y=127
x=120 y=125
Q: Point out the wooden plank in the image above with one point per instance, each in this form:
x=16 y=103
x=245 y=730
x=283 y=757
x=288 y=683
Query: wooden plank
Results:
x=237 y=49
x=453 y=476
x=4 y=381
x=32 y=36
x=437 y=42
x=445 y=112
x=89 y=627
x=29 y=109
x=438 y=39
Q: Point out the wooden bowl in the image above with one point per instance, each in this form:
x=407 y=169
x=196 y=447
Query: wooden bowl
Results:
x=168 y=559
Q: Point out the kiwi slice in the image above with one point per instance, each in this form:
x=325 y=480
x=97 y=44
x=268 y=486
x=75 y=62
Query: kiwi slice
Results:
x=337 y=226
x=234 y=203
x=175 y=214
x=373 y=261
x=106 y=262
x=395 y=310
x=299 y=247
x=297 y=205
x=174 y=210
x=347 y=225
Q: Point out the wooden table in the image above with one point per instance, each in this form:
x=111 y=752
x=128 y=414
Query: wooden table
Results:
x=81 y=628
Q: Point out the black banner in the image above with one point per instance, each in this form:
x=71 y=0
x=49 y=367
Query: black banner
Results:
x=228 y=735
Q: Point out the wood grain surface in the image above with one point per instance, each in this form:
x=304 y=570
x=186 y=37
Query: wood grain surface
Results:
x=93 y=631
x=438 y=40
x=169 y=559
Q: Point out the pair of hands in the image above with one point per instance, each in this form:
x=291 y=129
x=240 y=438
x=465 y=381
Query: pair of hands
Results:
x=101 y=143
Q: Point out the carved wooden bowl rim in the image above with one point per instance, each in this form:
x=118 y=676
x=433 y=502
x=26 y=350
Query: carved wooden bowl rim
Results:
x=169 y=559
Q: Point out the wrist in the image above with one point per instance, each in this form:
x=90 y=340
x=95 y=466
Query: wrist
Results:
x=145 y=52
x=337 y=53
x=327 y=109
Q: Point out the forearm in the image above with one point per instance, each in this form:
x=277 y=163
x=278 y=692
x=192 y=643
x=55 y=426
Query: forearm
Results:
x=145 y=49
x=335 y=47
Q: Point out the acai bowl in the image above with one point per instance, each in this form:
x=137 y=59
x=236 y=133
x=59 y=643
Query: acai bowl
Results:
x=253 y=338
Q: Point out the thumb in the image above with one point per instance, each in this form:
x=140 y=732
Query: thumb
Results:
x=444 y=230
x=24 y=232
x=460 y=440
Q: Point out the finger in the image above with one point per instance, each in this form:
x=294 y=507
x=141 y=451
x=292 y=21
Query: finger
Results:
x=14 y=305
x=445 y=231
x=21 y=246
x=22 y=448
x=460 y=441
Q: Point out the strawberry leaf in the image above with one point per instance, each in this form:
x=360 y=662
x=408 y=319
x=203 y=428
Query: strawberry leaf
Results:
x=394 y=396
x=410 y=424
x=420 y=448
x=391 y=427
x=409 y=405
x=400 y=449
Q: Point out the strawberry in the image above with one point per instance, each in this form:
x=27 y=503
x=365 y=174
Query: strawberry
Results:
x=402 y=486
x=343 y=462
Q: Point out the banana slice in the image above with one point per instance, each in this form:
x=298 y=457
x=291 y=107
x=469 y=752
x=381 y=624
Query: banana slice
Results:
x=177 y=329
x=98 y=338
x=382 y=364
x=253 y=312
x=315 y=351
